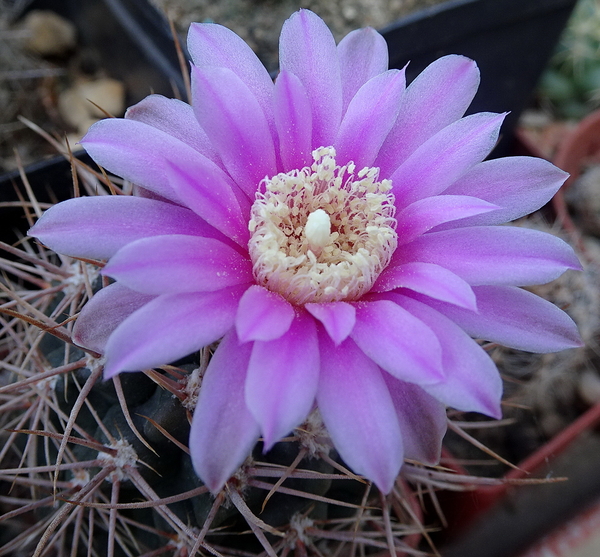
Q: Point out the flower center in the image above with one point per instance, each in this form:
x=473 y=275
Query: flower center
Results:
x=323 y=233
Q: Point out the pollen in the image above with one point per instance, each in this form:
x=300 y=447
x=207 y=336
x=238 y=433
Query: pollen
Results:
x=322 y=233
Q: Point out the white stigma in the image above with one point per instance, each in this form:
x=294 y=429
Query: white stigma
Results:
x=322 y=233
x=317 y=230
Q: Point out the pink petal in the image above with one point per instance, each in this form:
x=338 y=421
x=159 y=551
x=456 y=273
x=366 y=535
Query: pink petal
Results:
x=519 y=185
x=282 y=379
x=209 y=192
x=445 y=157
x=307 y=49
x=422 y=420
x=398 y=342
x=363 y=54
x=138 y=152
x=177 y=263
x=262 y=315
x=107 y=309
x=223 y=430
x=436 y=98
x=96 y=227
x=236 y=125
x=369 y=118
x=170 y=327
x=425 y=214
x=515 y=318
x=472 y=382
x=358 y=412
x=429 y=279
x=175 y=118
x=494 y=254
x=338 y=318
x=293 y=121
x=210 y=44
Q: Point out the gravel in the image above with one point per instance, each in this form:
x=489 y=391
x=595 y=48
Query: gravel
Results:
x=259 y=22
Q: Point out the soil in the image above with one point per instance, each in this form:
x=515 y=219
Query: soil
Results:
x=259 y=22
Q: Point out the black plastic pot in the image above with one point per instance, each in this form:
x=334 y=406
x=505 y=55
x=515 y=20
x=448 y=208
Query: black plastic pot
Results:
x=511 y=41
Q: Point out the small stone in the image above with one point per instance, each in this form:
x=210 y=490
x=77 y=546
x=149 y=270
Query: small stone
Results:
x=589 y=387
x=584 y=197
x=107 y=93
x=532 y=118
x=350 y=12
x=49 y=33
x=72 y=108
x=78 y=112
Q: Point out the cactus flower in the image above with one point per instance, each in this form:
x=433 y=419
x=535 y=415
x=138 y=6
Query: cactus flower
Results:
x=336 y=230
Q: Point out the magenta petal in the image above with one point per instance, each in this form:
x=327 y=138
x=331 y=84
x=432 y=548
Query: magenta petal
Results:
x=472 y=382
x=137 y=152
x=293 y=121
x=429 y=279
x=262 y=315
x=96 y=227
x=223 y=430
x=425 y=214
x=104 y=313
x=369 y=118
x=175 y=118
x=358 y=412
x=398 y=342
x=519 y=185
x=504 y=255
x=422 y=114
x=307 y=49
x=363 y=54
x=515 y=318
x=170 y=327
x=209 y=192
x=445 y=157
x=171 y=264
x=210 y=44
x=338 y=318
x=422 y=420
x=236 y=124
x=282 y=379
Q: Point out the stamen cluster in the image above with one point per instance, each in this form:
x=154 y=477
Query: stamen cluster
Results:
x=354 y=246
